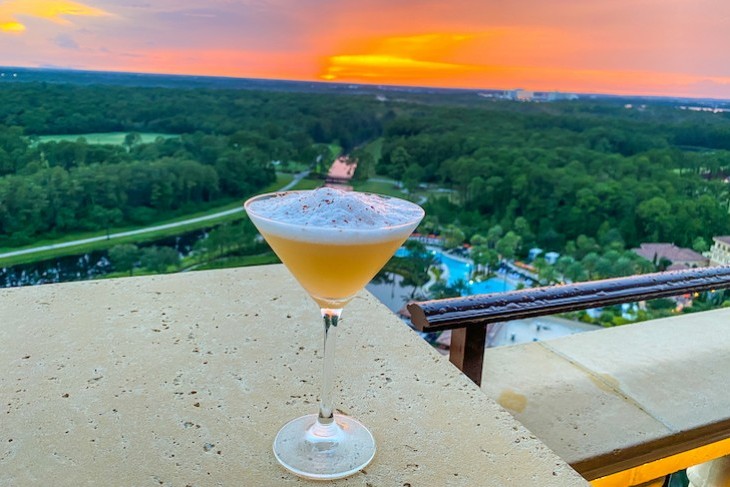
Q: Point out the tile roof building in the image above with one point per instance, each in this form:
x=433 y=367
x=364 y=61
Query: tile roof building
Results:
x=720 y=251
x=680 y=258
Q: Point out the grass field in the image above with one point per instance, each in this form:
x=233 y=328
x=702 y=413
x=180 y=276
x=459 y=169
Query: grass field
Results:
x=308 y=183
x=292 y=167
x=335 y=149
x=111 y=138
x=380 y=187
x=375 y=148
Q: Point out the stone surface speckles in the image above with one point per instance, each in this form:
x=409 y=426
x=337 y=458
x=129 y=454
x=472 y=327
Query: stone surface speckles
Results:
x=185 y=379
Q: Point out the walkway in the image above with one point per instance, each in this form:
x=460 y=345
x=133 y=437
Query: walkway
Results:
x=141 y=231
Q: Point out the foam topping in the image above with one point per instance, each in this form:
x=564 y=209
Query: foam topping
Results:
x=334 y=208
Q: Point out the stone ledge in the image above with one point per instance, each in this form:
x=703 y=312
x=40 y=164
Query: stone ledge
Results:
x=617 y=398
x=185 y=379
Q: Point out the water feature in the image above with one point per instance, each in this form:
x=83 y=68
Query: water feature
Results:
x=460 y=269
x=393 y=294
x=71 y=268
x=90 y=265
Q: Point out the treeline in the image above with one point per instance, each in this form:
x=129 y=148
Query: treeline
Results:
x=223 y=145
x=53 y=193
x=42 y=108
x=568 y=170
x=226 y=240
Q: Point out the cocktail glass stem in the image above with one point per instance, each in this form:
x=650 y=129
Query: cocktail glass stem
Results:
x=326 y=445
x=326 y=405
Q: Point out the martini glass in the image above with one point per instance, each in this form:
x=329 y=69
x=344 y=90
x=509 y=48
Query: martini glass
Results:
x=332 y=260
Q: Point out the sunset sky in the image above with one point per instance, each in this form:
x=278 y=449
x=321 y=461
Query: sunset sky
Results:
x=654 y=47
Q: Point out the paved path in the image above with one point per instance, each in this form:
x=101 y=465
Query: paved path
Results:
x=141 y=231
x=295 y=181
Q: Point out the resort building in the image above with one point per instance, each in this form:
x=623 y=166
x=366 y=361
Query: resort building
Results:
x=678 y=257
x=720 y=251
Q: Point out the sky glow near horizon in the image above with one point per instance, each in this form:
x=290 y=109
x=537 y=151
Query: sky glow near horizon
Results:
x=652 y=47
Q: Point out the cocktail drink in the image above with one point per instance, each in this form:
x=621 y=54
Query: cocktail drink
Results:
x=333 y=242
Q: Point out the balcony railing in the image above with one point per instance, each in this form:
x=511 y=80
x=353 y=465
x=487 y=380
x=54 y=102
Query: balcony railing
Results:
x=624 y=406
x=469 y=316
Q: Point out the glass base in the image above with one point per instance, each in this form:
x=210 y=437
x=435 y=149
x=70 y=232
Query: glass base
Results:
x=324 y=452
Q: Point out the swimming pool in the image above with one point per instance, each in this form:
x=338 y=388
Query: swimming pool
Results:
x=507 y=333
x=458 y=269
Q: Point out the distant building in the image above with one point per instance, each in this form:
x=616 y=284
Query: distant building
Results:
x=521 y=95
x=679 y=257
x=720 y=251
x=534 y=252
x=552 y=257
x=430 y=239
x=555 y=96
x=340 y=174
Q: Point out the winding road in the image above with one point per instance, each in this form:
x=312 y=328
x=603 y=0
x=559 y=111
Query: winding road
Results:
x=144 y=230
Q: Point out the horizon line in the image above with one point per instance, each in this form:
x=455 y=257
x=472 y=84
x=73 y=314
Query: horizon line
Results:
x=371 y=85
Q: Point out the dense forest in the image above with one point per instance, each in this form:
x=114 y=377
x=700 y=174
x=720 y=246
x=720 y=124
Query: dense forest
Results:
x=225 y=146
x=557 y=174
x=571 y=170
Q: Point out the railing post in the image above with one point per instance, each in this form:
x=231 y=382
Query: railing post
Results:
x=468 y=317
x=467 y=351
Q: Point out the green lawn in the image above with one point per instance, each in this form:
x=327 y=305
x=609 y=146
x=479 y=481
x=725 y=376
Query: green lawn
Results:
x=293 y=167
x=335 y=149
x=308 y=183
x=375 y=148
x=113 y=138
x=379 y=187
x=282 y=179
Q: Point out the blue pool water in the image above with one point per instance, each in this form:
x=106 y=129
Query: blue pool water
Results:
x=508 y=333
x=459 y=269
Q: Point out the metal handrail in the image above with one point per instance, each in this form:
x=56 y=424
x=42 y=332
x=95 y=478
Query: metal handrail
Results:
x=469 y=316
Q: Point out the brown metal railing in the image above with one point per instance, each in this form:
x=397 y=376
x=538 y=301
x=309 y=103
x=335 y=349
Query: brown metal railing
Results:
x=468 y=317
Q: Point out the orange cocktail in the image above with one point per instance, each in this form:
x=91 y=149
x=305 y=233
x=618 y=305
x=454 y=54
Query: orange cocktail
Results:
x=333 y=242
x=333 y=273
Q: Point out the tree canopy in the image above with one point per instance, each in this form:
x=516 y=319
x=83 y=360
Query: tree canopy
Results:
x=550 y=175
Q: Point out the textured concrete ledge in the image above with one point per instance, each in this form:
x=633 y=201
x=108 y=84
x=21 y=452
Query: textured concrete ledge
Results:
x=617 y=398
x=185 y=379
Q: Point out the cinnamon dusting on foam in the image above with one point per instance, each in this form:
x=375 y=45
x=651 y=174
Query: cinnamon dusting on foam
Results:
x=328 y=213
x=328 y=207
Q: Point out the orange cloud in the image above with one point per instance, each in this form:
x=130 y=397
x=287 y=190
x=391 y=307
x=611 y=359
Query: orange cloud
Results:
x=386 y=67
x=397 y=58
x=438 y=57
x=500 y=58
x=52 y=10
